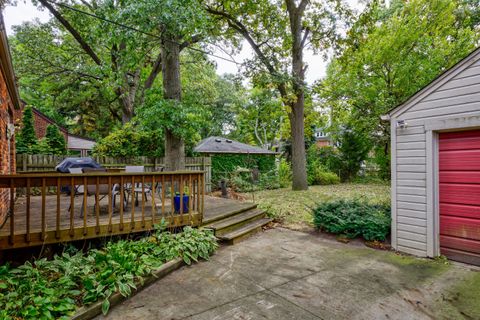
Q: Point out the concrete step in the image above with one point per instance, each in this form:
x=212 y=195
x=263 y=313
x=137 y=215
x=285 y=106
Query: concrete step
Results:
x=226 y=213
x=234 y=222
x=245 y=231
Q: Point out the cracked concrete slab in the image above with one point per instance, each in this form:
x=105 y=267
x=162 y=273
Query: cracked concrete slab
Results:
x=283 y=274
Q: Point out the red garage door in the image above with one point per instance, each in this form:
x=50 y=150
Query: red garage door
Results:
x=459 y=170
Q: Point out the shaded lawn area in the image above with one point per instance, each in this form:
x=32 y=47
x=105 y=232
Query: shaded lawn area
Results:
x=293 y=208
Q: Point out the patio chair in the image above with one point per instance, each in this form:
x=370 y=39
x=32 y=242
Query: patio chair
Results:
x=138 y=188
x=103 y=189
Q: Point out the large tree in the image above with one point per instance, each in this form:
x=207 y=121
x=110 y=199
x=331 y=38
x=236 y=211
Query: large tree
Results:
x=119 y=55
x=279 y=32
x=390 y=53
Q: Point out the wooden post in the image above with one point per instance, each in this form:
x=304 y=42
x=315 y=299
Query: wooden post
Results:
x=12 y=212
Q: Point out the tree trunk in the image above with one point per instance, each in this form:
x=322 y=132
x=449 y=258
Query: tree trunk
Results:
x=299 y=162
x=172 y=90
x=299 y=167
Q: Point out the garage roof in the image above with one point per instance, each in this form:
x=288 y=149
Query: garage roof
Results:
x=473 y=57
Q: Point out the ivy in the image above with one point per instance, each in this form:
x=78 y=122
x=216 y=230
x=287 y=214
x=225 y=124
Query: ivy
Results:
x=223 y=165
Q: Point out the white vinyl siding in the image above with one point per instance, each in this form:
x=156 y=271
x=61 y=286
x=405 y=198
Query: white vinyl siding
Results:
x=458 y=96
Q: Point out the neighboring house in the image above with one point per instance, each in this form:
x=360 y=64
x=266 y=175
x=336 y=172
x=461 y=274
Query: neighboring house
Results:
x=436 y=166
x=322 y=138
x=41 y=121
x=9 y=101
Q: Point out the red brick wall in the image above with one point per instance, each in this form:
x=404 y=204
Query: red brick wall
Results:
x=322 y=143
x=39 y=121
x=7 y=150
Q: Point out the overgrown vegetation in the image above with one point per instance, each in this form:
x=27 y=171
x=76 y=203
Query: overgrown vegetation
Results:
x=54 y=289
x=284 y=173
x=293 y=209
x=353 y=218
x=130 y=141
x=229 y=166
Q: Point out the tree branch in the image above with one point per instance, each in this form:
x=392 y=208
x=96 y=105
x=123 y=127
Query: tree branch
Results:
x=240 y=28
x=195 y=38
x=72 y=30
x=157 y=67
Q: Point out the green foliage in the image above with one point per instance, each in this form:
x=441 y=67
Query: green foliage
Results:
x=241 y=181
x=54 y=289
x=325 y=156
x=322 y=163
x=353 y=150
x=353 y=218
x=53 y=142
x=391 y=52
x=26 y=140
x=320 y=176
x=284 y=173
x=130 y=141
x=223 y=165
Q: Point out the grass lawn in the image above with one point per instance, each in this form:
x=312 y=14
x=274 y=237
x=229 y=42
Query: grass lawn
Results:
x=293 y=208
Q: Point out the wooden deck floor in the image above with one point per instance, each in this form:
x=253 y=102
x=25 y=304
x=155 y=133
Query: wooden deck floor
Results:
x=134 y=219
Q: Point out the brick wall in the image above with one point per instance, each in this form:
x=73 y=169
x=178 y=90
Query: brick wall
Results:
x=7 y=146
x=40 y=121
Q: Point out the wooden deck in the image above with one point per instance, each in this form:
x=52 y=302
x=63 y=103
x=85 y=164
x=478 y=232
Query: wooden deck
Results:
x=45 y=215
x=214 y=207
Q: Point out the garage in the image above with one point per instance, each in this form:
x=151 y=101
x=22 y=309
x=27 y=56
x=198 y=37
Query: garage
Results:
x=459 y=200
x=435 y=161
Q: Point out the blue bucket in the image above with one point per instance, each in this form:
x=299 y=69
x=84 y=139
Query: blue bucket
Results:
x=176 y=203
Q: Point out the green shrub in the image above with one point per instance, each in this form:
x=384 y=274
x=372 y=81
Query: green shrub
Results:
x=353 y=218
x=53 y=289
x=284 y=173
x=130 y=141
x=319 y=176
x=53 y=142
x=325 y=156
x=242 y=182
x=26 y=139
x=224 y=166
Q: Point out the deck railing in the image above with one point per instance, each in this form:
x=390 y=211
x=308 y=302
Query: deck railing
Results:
x=45 y=214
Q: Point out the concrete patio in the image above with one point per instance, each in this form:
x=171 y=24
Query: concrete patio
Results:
x=283 y=274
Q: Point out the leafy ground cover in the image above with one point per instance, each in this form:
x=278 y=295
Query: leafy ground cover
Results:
x=294 y=208
x=54 y=289
x=353 y=218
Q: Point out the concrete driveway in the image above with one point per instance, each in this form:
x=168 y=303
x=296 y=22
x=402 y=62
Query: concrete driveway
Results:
x=283 y=274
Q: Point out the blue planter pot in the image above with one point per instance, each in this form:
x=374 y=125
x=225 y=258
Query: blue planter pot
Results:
x=176 y=203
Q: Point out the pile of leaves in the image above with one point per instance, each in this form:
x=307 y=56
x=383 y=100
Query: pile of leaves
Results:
x=54 y=289
x=353 y=218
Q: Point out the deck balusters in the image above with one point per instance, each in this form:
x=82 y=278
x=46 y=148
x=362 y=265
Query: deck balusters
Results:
x=12 y=212
x=49 y=219
x=27 y=235
x=57 y=220
x=44 y=191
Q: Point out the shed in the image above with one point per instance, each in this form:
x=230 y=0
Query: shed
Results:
x=435 y=138
x=228 y=155
x=212 y=145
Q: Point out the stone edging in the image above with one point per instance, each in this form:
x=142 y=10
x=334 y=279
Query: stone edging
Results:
x=95 y=309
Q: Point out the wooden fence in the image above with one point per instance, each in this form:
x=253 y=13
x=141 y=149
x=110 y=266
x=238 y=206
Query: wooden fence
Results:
x=39 y=163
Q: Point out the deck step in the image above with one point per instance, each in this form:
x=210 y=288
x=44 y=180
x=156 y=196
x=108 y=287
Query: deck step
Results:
x=228 y=213
x=231 y=223
x=245 y=231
